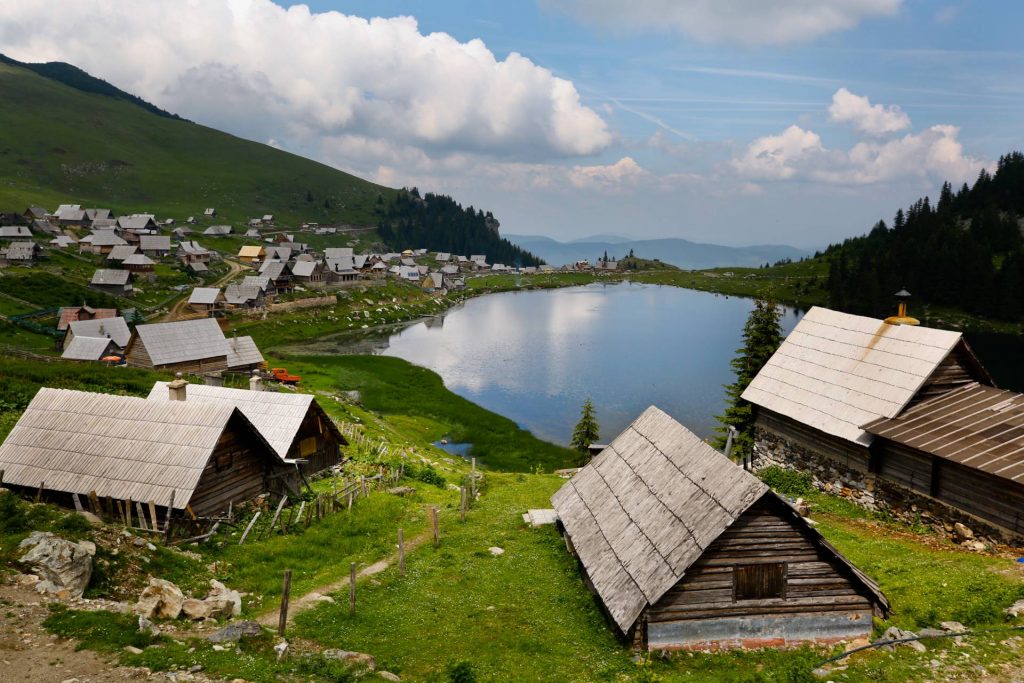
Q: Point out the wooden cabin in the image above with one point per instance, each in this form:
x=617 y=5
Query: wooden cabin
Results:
x=115 y=329
x=251 y=253
x=200 y=455
x=836 y=373
x=685 y=550
x=294 y=424
x=111 y=281
x=70 y=314
x=189 y=346
x=244 y=355
x=962 y=449
x=206 y=299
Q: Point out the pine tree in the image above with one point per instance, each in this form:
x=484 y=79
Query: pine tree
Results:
x=587 y=430
x=762 y=336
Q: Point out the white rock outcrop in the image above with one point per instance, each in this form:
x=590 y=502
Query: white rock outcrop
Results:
x=63 y=567
x=161 y=600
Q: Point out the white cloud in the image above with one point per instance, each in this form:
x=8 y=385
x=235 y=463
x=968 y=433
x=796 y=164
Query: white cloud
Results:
x=264 y=71
x=749 y=22
x=622 y=172
x=777 y=157
x=873 y=119
x=797 y=154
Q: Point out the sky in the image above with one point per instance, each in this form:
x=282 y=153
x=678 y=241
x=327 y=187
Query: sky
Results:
x=728 y=121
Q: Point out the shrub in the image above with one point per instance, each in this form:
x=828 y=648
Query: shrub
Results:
x=73 y=523
x=787 y=482
x=461 y=672
x=428 y=475
x=13 y=517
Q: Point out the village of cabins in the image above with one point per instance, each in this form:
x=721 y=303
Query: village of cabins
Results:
x=682 y=547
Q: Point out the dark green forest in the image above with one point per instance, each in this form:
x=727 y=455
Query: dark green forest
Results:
x=439 y=223
x=964 y=251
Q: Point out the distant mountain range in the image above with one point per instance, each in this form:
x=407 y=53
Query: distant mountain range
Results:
x=675 y=251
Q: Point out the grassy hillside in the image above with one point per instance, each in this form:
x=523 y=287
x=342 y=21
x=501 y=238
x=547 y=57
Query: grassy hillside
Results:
x=61 y=144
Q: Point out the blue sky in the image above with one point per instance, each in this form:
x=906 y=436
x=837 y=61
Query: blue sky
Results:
x=729 y=121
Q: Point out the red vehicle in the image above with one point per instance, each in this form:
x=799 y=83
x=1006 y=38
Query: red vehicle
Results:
x=281 y=375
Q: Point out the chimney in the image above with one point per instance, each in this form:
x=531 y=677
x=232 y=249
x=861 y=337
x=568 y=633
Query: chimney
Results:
x=901 y=317
x=176 y=389
x=255 y=382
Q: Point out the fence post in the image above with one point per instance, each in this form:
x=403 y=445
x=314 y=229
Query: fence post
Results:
x=249 y=528
x=352 y=588
x=282 y=620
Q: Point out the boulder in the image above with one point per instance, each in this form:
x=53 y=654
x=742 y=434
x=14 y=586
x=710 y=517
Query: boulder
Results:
x=195 y=609
x=495 y=550
x=402 y=491
x=354 y=658
x=1016 y=609
x=232 y=633
x=160 y=599
x=223 y=602
x=62 y=566
x=388 y=676
x=896 y=633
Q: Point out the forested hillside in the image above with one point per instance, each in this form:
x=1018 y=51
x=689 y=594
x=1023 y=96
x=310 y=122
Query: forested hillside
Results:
x=965 y=251
x=439 y=223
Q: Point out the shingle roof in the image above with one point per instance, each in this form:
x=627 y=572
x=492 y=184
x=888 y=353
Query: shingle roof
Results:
x=261 y=282
x=71 y=313
x=13 y=231
x=107 y=276
x=155 y=242
x=338 y=252
x=218 y=230
x=251 y=251
x=975 y=425
x=120 y=253
x=243 y=351
x=141 y=221
x=277 y=415
x=303 y=268
x=241 y=294
x=204 y=295
x=836 y=372
x=183 y=341
x=192 y=247
x=104 y=238
x=118 y=446
x=272 y=269
x=115 y=328
x=645 y=509
x=139 y=260
x=87 y=348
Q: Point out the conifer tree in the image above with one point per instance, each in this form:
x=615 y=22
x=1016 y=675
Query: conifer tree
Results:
x=587 y=430
x=762 y=336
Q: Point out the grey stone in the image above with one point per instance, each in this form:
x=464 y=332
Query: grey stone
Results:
x=388 y=676
x=60 y=564
x=138 y=542
x=495 y=550
x=234 y=632
x=955 y=626
x=402 y=491
x=222 y=601
x=160 y=599
x=962 y=532
x=1016 y=609
x=356 y=658
x=132 y=649
x=195 y=609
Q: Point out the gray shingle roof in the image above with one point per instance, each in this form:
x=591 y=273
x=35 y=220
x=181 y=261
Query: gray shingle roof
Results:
x=139 y=260
x=243 y=351
x=204 y=295
x=114 y=328
x=88 y=348
x=277 y=415
x=241 y=294
x=338 y=252
x=183 y=341
x=155 y=242
x=303 y=268
x=193 y=247
x=218 y=230
x=107 y=276
x=645 y=509
x=272 y=269
x=120 y=253
x=104 y=238
x=14 y=231
x=118 y=446
x=259 y=281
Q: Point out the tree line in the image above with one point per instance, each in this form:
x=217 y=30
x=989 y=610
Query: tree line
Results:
x=439 y=223
x=965 y=251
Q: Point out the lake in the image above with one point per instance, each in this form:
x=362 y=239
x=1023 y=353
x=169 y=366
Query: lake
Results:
x=535 y=356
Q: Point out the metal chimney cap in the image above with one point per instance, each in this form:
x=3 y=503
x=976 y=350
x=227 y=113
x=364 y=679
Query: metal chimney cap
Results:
x=902 y=294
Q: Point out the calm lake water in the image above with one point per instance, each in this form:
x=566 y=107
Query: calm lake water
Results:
x=536 y=356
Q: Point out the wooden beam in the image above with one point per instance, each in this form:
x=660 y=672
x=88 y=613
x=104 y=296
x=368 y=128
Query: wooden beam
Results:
x=252 y=521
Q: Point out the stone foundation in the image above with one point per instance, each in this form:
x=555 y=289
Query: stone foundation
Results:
x=877 y=494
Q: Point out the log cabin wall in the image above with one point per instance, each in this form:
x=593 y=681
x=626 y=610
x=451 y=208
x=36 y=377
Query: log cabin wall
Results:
x=137 y=356
x=814 y=597
x=325 y=451
x=237 y=471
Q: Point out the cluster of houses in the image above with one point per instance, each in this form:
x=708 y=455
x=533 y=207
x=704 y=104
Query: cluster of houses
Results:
x=197 y=347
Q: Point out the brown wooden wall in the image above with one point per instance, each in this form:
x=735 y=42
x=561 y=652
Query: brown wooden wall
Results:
x=316 y=426
x=846 y=453
x=237 y=471
x=959 y=368
x=138 y=357
x=822 y=599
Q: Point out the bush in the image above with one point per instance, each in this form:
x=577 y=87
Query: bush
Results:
x=787 y=482
x=428 y=475
x=73 y=523
x=13 y=518
x=461 y=672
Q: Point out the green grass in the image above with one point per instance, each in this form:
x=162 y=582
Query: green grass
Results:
x=63 y=145
x=392 y=386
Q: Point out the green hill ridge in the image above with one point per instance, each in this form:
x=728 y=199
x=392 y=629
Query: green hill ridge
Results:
x=67 y=137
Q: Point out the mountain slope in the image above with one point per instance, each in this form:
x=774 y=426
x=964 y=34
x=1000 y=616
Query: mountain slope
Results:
x=97 y=146
x=678 y=252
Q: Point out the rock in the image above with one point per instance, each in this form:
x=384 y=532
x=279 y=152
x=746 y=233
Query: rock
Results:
x=132 y=649
x=60 y=564
x=962 y=532
x=821 y=673
x=26 y=580
x=495 y=550
x=150 y=547
x=933 y=632
x=160 y=599
x=357 y=658
x=976 y=546
x=896 y=633
x=281 y=649
x=402 y=491
x=138 y=542
x=147 y=625
x=91 y=518
x=89 y=547
x=388 y=676
x=195 y=609
x=317 y=597
x=222 y=601
x=1016 y=609
x=232 y=633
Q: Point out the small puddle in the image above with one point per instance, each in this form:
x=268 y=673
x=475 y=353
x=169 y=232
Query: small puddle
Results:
x=452 y=448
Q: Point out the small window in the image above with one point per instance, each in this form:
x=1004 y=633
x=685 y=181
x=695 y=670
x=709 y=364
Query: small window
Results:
x=307 y=446
x=759 y=581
